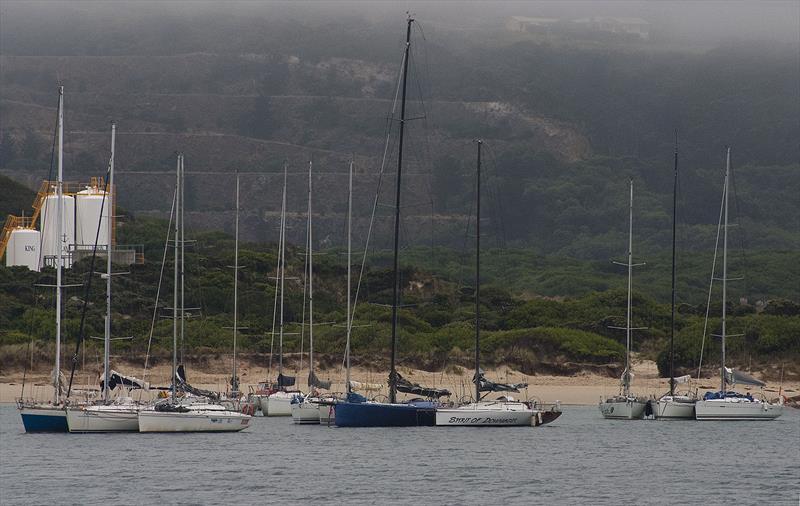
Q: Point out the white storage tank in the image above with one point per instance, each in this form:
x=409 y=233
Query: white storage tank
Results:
x=49 y=228
x=23 y=248
x=88 y=207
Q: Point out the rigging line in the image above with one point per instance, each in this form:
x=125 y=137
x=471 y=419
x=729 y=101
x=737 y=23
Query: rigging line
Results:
x=277 y=276
x=378 y=191
x=736 y=202
x=158 y=289
x=496 y=200
x=89 y=276
x=305 y=287
x=49 y=180
x=30 y=345
x=463 y=252
x=711 y=284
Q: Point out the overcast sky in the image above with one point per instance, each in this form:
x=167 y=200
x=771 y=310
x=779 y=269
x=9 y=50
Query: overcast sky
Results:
x=704 y=21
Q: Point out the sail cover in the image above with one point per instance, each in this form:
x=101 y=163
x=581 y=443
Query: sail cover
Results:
x=313 y=381
x=732 y=377
x=286 y=381
x=368 y=387
x=186 y=387
x=405 y=386
x=115 y=378
x=682 y=379
x=485 y=385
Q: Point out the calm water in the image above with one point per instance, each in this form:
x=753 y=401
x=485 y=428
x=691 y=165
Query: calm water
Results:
x=580 y=458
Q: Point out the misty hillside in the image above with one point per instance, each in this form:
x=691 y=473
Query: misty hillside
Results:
x=566 y=119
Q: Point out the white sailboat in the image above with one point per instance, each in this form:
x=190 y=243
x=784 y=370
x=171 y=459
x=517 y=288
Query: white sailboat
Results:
x=188 y=413
x=727 y=404
x=504 y=411
x=38 y=416
x=673 y=406
x=121 y=414
x=306 y=408
x=279 y=401
x=625 y=405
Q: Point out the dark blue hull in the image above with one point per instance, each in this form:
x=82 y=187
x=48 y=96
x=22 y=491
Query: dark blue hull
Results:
x=377 y=414
x=44 y=419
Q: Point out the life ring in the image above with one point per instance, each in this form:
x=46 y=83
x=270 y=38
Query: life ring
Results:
x=248 y=409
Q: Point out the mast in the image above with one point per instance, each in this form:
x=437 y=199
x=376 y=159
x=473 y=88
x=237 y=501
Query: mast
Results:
x=725 y=267
x=183 y=259
x=109 y=224
x=282 y=261
x=478 y=277
x=349 y=317
x=234 y=379
x=672 y=316
x=627 y=380
x=310 y=287
x=175 y=281
x=59 y=241
x=396 y=292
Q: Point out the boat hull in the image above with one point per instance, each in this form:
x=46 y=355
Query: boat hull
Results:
x=378 y=414
x=736 y=409
x=483 y=418
x=305 y=413
x=103 y=419
x=327 y=414
x=278 y=404
x=675 y=408
x=623 y=409
x=225 y=421
x=44 y=419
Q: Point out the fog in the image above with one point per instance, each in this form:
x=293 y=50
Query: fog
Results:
x=670 y=21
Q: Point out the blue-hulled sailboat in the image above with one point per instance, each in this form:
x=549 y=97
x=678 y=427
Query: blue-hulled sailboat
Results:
x=51 y=416
x=356 y=410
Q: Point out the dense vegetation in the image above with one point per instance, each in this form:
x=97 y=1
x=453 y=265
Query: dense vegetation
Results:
x=531 y=333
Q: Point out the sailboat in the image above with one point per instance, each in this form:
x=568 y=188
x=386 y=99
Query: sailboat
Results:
x=51 y=416
x=625 y=405
x=356 y=410
x=194 y=412
x=120 y=414
x=306 y=408
x=672 y=406
x=278 y=400
x=504 y=411
x=728 y=404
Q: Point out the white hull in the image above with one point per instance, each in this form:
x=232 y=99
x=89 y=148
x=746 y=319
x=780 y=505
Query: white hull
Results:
x=674 y=408
x=736 y=409
x=260 y=401
x=622 y=409
x=327 y=414
x=486 y=414
x=103 y=419
x=305 y=412
x=195 y=420
x=278 y=404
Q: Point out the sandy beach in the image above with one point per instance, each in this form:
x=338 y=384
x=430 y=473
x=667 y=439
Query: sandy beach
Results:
x=582 y=389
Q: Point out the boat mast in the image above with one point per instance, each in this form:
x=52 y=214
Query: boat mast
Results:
x=183 y=260
x=349 y=317
x=109 y=224
x=478 y=277
x=626 y=382
x=234 y=380
x=59 y=241
x=310 y=287
x=672 y=317
x=396 y=292
x=282 y=276
x=175 y=281
x=725 y=267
